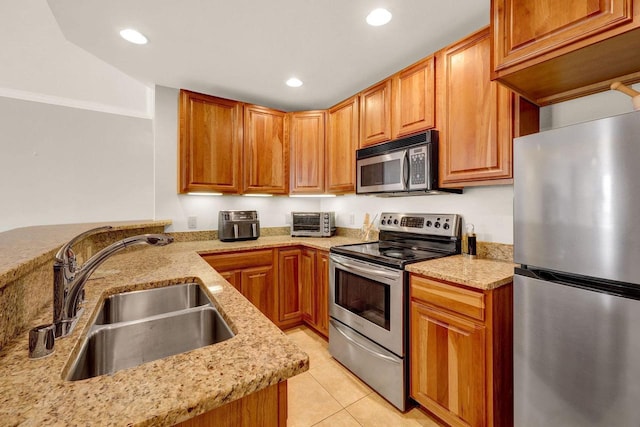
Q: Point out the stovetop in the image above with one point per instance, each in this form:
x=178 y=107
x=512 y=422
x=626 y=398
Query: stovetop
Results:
x=408 y=238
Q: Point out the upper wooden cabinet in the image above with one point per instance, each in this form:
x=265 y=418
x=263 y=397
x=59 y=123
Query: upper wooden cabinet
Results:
x=307 y=139
x=413 y=95
x=477 y=118
x=210 y=143
x=553 y=50
x=375 y=114
x=342 y=143
x=266 y=151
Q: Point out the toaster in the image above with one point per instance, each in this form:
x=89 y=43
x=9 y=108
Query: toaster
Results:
x=238 y=225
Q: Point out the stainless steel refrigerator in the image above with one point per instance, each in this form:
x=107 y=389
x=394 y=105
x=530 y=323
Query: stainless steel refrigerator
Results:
x=577 y=294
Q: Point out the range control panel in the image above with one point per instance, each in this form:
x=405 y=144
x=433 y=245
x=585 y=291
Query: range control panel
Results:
x=447 y=225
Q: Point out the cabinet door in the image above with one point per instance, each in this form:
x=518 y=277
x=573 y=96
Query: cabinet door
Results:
x=234 y=277
x=210 y=144
x=477 y=118
x=289 y=286
x=448 y=365
x=413 y=95
x=342 y=143
x=529 y=28
x=308 y=286
x=257 y=287
x=375 y=114
x=307 y=138
x=322 y=293
x=266 y=151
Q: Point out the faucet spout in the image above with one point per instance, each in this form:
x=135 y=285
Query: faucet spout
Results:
x=66 y=319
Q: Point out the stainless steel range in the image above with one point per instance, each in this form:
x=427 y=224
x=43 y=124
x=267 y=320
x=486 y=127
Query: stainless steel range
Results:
x=368 y=297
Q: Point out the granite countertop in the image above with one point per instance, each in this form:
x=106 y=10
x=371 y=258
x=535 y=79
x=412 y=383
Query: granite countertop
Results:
x=479 y=273
x=22 y=248
x=166 y=391
x=176 y=388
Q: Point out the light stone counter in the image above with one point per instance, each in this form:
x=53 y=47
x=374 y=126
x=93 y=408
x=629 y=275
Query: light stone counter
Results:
x=166 y=391
x=176 y=388
x=480 y=273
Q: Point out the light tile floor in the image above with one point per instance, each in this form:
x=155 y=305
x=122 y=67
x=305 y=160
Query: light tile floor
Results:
x=328 y=395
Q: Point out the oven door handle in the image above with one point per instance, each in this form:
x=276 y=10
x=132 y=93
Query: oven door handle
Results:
x=365 y=348
x=371 y=271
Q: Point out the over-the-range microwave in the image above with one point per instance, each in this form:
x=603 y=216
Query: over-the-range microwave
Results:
x=403 y=167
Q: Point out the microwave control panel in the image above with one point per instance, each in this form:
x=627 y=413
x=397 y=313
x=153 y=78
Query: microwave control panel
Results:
x=418 y=167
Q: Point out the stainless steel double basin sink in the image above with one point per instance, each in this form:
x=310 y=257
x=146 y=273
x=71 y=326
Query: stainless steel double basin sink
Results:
x=136 y=327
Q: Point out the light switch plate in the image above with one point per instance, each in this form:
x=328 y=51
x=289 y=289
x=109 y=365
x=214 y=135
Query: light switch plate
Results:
x=192 y=222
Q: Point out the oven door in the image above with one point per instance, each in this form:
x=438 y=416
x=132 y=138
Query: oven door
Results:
x=368 y=298
x=382 y=173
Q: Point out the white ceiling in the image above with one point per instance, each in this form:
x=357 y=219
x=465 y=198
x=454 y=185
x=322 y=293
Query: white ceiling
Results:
x=246 y=49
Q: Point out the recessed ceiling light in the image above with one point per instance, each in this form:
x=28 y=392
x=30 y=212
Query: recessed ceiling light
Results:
x=378 y=17
x=294 y=82
x=133 y=36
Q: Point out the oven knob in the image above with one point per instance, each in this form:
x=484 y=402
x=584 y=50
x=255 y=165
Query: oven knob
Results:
x=395 y=221
x=445 y=226
x=436 y=225
x=383 y=222
x=429 y=223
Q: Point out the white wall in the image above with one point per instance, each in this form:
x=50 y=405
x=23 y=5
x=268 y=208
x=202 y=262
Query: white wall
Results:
x=39 y=64
x=67 y=165
x=76 y=140
x=597 y=106
x=489 y=209
x=272 y=211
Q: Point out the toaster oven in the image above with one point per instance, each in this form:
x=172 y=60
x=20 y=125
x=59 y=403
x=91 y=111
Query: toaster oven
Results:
x=313 y=224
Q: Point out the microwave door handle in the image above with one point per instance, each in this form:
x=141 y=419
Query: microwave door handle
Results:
x=405 y=170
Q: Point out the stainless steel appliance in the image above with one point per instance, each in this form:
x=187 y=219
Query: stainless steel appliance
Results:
x=313 y=224
x=576 y=308
x=368 y=297
x=238 y=225
x=407 y=166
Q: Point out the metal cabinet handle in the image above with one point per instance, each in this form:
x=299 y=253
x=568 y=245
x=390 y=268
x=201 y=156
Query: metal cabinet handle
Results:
x=356 y=343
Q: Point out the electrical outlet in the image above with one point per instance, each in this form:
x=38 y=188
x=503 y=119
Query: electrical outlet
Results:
x=352 y=219
x=192 y=222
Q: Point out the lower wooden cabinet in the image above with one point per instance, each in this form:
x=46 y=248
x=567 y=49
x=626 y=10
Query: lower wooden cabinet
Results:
x=289 y=285
x=315 y=290
x=252 y=273
x=461 y=352
x=289 y=313
x=266 y=408
x=322 y=293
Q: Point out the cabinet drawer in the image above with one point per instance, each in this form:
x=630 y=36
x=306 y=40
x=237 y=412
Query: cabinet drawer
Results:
x=235 y=260
x=459 y=300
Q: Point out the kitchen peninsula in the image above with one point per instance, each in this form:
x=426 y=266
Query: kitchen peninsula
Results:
x=258 y=359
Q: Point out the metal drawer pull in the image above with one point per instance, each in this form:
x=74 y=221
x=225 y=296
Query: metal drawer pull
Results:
x=351 y=340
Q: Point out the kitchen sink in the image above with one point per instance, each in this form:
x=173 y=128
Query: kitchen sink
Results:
x=140 y=338
x=136 y=305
